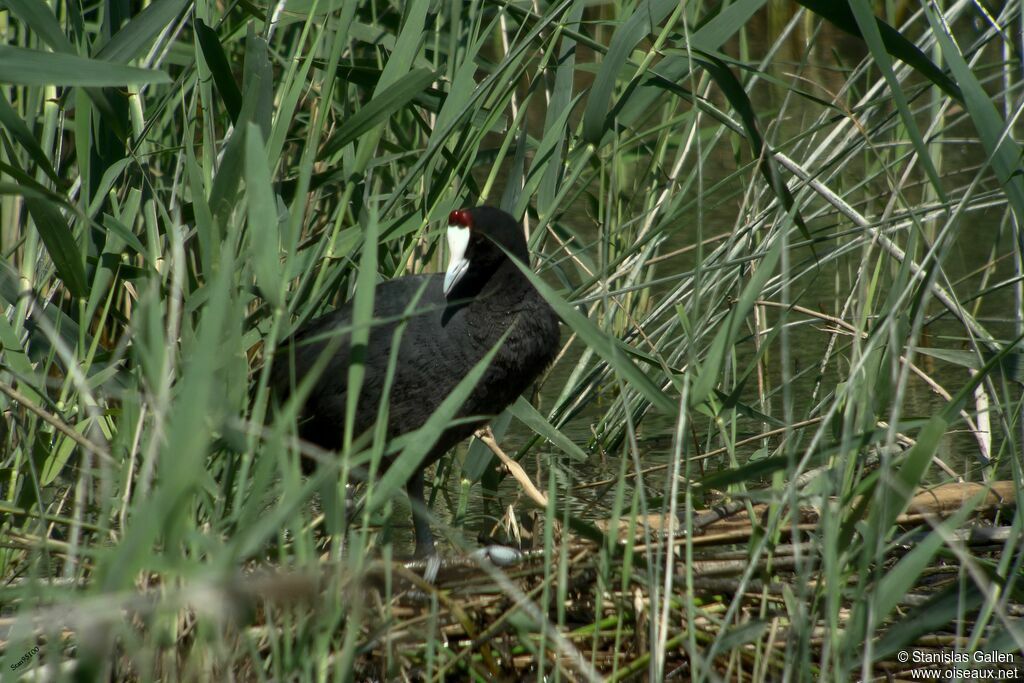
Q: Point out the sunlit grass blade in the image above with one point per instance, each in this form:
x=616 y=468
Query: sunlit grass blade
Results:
x=872 y=34
x=39 y=17
x=644 y=19
x=33 y=67
x=1003 y=150
x=422 y=440
x=139 y=33
x=394 y=97
x=840 y=15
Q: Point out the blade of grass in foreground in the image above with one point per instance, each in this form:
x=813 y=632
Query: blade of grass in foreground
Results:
x=262 y=218
x=60 y=243
x=379 y=109
x=362 y=319
x=605 y=345
x=168 y=510
x=529 y=416
x=395 y=70
x=424 y=438
x=900 y=579
x=135 y=36
x=22 y=66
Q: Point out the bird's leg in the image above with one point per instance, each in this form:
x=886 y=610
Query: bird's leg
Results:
x=420 y=516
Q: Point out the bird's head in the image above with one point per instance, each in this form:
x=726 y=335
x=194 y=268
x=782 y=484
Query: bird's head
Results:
x=478 y=240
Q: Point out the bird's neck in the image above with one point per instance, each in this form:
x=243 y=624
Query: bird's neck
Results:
x=506 y=290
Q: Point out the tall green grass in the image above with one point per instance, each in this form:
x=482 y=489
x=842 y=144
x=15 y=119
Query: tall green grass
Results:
x=784 y=240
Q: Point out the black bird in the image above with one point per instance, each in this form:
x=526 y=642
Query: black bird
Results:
x=459 y=317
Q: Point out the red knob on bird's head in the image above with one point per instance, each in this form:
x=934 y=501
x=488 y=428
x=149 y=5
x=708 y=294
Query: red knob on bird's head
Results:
x=460 y=217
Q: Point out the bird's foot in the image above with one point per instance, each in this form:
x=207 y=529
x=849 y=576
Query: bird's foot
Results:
x=499 y=555
x=433 y=566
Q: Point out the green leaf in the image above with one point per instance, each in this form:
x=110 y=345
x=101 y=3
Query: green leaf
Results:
x=398 y=65
x=713 y=33
x=546 y=168
x=216 y=60
x=380 y=108
x=869 y=27
x=257 y=102
x=673 y=70
x=513 y=199
x=753 y=471
x=58 y=458
x=645 y=18
x=460 y=90
x=895 y=492
x=737 y=96
x=1003 y=151
x=39 y=17
x=529 y=416
x=67 y=330
x=840 y=15
x=306 y=7
x=16 y=359
x=257 y=84
x=1011 y=365
x=608 y=347
x=557 y=114
x=362 y=320
x=167 y=510
x=727 y=334
x=33 y=67
x=951 y=603
x=206 y=227
x=737 y=636
x=139 y=33
x=60 y=243
x=264 y=246
x=901 y=578
x=966 y=359
x=10 y=120
x=121 y=230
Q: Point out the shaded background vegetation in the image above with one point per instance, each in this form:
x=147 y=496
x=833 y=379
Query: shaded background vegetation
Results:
x=784 y=239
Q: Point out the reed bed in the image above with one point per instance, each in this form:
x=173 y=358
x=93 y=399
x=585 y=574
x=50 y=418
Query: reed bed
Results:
x=782 y=441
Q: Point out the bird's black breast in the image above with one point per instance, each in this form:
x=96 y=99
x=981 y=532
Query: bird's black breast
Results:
x=437 y=345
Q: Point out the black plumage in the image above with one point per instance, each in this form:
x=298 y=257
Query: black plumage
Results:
x=459 y=316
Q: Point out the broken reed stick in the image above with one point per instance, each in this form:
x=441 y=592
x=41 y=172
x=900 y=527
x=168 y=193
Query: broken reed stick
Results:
x=731 y=518
x=514 y=468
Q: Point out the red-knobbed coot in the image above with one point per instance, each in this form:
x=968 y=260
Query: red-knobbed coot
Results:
x=459 y=317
